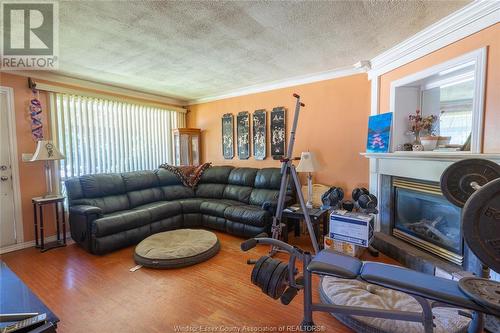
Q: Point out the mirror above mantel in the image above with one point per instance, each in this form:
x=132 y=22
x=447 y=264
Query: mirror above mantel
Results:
x=451 y=96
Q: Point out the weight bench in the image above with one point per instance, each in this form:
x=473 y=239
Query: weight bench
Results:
x=278 y=280
x=431 y=287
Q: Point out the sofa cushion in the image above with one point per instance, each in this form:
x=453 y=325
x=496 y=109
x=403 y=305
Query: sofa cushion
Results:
x=217 y=207
x=268 y=178
x=191 y=205
x=242 y=176
x=211 y=191
x=108 y=204
x=145 y=196
x=173 y=192
x=216 y=175
x=139 y=180
x=167 y=178
x=162 y=209
x=120 y=221
x=238 y=193
x=102 y=185
x=73 y=189
x=247 y=214
x=260 y=195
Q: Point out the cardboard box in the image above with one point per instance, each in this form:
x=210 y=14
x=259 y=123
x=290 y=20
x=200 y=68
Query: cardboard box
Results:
x=354 y=228
x=343 y=247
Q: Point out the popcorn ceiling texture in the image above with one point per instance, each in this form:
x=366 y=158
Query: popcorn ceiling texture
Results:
x=191 y=49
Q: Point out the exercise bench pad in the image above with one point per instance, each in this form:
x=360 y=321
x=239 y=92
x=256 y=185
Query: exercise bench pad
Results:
x=417 y=283
x=331 y=263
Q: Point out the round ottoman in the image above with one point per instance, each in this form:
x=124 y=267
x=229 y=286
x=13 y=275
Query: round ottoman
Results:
x=176 y=248
x=358 y=293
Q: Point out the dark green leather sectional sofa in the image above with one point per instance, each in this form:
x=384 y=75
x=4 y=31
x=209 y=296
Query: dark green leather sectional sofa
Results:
x=111 y=211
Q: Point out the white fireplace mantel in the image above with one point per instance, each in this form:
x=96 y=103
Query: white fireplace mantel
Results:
x=417 y=165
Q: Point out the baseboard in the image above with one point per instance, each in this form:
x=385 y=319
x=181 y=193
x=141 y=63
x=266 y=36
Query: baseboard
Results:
x=25 y=245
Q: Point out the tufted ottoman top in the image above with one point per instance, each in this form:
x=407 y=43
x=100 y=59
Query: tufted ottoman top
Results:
x=353 y=292
x=176 y=248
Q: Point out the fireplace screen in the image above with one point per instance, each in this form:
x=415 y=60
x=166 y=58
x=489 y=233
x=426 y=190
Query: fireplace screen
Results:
x=429 y=219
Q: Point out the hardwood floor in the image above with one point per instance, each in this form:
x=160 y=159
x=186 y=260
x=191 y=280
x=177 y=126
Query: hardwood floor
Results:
x=99 y=294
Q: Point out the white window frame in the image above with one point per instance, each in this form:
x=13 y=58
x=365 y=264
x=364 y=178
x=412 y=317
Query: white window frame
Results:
x=478 y=57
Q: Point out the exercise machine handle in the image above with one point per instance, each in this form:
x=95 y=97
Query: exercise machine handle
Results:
x=297 y=96
x=252 y=242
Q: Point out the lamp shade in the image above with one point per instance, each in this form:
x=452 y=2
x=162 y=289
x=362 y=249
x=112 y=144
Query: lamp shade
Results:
x=46 y=151
x=307 y=163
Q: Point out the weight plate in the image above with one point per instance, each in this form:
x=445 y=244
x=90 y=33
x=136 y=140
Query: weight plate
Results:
x=256 y=268
x=457 y=178
x=482 y=291
x=265 y=273
x=481 y=224
x=278 y=284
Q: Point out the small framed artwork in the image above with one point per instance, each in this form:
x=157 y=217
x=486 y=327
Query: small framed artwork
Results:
x=259 y=123
x=278 y=134
x=243 y=135
x=379 y=133
x=227 y=136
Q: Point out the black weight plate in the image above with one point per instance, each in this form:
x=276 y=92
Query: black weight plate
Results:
x=481 y=224
x=265 y=273
x=256 y=268
x=483 y=291
x=277 y=285
x=457 y=178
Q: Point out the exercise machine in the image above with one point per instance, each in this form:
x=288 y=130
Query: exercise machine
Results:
x=288 y=171
x=473 y=184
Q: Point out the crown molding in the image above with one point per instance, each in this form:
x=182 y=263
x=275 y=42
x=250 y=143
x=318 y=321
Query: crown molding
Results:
x=470 y=19
x=290 y=82
x=99 y=86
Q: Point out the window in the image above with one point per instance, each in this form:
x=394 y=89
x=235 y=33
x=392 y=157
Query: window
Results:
x=98 y=135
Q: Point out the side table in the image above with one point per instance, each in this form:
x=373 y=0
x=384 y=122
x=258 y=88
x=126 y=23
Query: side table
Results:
x=318 y=217
x=38 y=204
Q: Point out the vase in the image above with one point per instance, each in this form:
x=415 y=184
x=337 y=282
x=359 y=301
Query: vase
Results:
x=417 y=138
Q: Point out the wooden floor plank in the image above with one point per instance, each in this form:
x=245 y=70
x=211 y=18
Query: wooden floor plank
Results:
x=98 y=293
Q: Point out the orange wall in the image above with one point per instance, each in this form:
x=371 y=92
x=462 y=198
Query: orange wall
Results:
x=489 y=37
x=333 y=125
x=31 y=175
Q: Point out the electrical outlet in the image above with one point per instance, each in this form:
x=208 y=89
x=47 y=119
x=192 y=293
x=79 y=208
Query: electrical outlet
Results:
x=26 y=157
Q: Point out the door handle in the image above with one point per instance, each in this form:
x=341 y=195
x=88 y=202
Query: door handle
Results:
x=4 y=178
x=3 y=167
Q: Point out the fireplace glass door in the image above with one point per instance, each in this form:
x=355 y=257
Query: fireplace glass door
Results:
x=429 y=217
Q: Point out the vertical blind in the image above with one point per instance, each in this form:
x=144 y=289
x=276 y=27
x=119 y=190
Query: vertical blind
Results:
x=99 y=136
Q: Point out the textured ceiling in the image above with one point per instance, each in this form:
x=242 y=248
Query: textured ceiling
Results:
x=190 y=49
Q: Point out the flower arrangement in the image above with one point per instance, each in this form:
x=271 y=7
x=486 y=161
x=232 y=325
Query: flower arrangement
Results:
x=419 y=123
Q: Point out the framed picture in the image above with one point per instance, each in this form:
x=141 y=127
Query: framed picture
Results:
x=379 y=133
x=243 y=135
x=259 y=130
x=227 y=136
x=278 y=132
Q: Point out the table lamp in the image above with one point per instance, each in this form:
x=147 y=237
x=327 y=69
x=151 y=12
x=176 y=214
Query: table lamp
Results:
x=308 y=164
x=46 y=151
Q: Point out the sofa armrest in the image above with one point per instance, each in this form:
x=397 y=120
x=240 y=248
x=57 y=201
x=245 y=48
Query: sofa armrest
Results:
x=271 y=205
x=81 y=218
x=85 y=210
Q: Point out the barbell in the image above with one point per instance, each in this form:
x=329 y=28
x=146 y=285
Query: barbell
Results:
x=474 y=185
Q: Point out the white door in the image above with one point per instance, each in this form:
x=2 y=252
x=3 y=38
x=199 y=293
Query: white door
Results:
x=7 y=218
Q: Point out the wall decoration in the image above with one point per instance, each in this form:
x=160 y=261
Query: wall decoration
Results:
x=259 y=123
x=379 y=133
x=35 y=110
x=278 y=134
x=227 y=136
x=243 y=135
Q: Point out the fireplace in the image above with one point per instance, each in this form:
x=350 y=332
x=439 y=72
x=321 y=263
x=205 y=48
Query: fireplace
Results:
x=424 y=218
